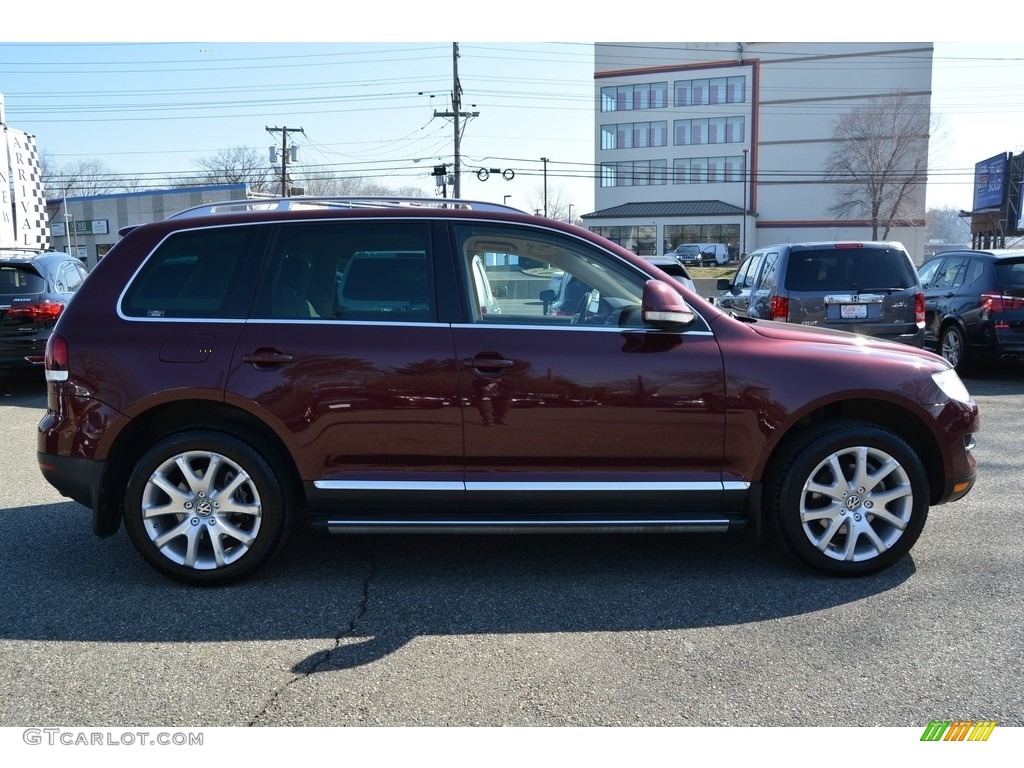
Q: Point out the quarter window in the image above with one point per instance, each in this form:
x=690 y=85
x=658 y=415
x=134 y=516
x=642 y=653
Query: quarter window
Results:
x=204 y=274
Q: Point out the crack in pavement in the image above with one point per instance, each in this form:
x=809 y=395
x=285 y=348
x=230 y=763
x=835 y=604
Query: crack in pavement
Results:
x=321 y=660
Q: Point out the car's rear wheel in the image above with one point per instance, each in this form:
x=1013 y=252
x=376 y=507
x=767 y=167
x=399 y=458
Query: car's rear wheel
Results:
x=849 y=499
x=205 y=508
x=953 y=348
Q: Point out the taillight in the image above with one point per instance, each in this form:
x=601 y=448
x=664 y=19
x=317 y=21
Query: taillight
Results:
x=997 y=302
x=779 y=308
x=39 y=311
x=57 y=358
x=919 y=309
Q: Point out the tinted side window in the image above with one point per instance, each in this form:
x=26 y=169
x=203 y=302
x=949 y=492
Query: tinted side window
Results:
x=376 y=271
x=746 y=280
x=768 y=274
x=743 y=272
x=68 y=278
x=975 y=269
x=203 y=274
x=950 y=274
x=928 y=271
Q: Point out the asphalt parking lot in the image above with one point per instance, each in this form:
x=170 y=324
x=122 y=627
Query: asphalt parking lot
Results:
x=555 y=630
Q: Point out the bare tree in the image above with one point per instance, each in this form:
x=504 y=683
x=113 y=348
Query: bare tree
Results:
x=946 y=225
x=880 y=161
x=78 y=177
x=559 y=207
x=238 y=165
x=321 y=180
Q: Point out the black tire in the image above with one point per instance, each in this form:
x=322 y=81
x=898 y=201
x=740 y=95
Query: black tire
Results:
x=840 y=478
x=192 y=537
x=953 y=348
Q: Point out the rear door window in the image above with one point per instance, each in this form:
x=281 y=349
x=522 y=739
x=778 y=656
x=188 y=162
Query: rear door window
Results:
x=354 y=271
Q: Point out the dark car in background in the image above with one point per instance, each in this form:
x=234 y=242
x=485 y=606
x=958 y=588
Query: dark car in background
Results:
x=864 y=287
x=249 y=386
x=35 y=288
x=974 y=306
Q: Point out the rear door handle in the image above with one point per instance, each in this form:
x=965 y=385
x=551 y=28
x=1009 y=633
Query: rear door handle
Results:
x=267 y=358
x=487 y=362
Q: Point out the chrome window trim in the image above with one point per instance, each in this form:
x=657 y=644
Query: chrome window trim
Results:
x=506 y=486
x=574 y=328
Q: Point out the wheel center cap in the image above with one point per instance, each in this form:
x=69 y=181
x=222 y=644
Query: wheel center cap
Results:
x=853 y=502
x=204 y=508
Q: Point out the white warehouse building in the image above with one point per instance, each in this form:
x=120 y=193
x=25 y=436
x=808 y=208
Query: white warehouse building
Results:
x=729 y=142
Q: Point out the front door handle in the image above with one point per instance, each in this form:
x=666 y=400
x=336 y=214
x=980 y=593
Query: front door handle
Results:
x=488 y=366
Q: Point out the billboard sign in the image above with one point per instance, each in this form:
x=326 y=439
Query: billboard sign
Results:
x=990 y=182
x=23 y=219
x=7 y=237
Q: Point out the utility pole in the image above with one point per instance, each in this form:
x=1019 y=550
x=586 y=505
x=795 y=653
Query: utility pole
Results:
x=456 y=113
x=284 y=131
x=545 y=160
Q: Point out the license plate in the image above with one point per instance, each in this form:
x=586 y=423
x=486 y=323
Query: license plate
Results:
x=853 y=311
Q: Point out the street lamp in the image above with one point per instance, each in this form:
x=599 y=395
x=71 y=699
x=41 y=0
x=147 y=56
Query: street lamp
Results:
x=505 y=201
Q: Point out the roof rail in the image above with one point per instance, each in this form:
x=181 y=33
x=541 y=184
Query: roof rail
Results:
x=317 y=202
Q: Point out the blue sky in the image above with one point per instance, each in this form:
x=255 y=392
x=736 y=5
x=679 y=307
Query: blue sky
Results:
x=368 y=108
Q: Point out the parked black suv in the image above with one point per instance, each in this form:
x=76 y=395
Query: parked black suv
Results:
x=869 y=288
x=35 y=286
x=974 y=306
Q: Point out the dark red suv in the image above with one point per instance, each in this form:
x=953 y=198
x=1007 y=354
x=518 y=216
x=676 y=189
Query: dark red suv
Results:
x=388 y=366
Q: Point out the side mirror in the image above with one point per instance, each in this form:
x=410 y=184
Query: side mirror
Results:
x=663 y=307
x=723 y=284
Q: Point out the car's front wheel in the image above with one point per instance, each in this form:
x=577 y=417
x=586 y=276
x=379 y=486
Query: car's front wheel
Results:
x=205 y=508
x=849 y=499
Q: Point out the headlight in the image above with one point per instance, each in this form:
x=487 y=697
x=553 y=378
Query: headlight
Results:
x=951 y=386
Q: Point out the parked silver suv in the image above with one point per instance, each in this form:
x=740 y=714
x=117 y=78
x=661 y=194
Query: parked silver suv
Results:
x=869 y=288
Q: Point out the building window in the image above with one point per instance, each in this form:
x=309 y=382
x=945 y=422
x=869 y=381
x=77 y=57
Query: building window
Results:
x=623 y=98
x=681 y=170
x=698 y=170
x=641 y=240
x=733 y=168
x=715 y=130
x=634 y=135
x=736 y=90
x=718 y=90
x=638 y=173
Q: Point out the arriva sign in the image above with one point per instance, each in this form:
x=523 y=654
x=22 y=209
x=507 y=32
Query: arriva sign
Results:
x=23 y=220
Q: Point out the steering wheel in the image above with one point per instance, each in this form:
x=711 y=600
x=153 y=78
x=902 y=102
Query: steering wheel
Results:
x=583 y=315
